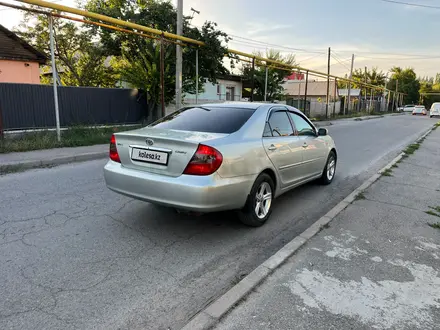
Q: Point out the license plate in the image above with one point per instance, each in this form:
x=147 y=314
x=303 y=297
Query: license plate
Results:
x=149 y=156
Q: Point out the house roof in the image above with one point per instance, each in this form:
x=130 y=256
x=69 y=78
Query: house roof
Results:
x=14 y=48
x=230 y=77
x=314 y=88
x=353 y=92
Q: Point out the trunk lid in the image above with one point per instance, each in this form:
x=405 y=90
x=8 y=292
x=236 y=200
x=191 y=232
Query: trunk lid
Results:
x=161 y=151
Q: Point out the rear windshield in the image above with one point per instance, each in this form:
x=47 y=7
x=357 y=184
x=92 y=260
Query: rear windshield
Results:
x=209 y=119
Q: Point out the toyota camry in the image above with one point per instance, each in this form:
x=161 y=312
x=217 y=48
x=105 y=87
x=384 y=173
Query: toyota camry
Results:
x=216 y=157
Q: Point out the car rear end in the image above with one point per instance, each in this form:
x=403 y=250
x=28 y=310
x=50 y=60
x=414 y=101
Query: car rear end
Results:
x=175 y=161
x=435 y=110
x=419 y=110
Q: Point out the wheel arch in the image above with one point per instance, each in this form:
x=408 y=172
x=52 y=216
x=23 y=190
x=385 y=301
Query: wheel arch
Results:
x=272 y=175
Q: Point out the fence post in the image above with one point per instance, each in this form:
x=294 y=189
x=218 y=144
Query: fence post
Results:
x=197 y=75
x=54 y=74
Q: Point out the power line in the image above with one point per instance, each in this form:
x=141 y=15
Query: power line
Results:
x=411 y=4
x=334 y=57
x=279 y=46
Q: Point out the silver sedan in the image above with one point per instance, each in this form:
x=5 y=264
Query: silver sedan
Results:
x=216 y=157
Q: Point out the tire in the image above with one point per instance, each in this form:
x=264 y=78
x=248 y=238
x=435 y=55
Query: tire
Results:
x=431 y=116
x=248 y=215
x=328 y=176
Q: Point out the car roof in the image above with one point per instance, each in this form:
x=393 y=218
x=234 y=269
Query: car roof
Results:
x=242 y=105
x=247 y=105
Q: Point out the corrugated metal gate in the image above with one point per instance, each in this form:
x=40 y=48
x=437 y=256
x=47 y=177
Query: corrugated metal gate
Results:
x=24 y=106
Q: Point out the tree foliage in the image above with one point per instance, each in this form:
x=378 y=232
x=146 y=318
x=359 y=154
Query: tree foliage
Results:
x=80 y=60
x=275 y=76
x=407 y=84
x=370 y=76
x=161 y=15
x=429 y=85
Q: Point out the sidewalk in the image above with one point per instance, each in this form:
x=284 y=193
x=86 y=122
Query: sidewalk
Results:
x=376 y=266
x=39 y=158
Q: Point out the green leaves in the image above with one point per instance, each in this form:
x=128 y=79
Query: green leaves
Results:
x=143 y=71
x=275 y=75
x=79 y=58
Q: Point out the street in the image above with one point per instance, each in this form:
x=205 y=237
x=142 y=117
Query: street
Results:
x=75 y=255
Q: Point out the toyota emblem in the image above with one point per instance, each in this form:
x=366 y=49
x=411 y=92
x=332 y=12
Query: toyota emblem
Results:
x=150 y=142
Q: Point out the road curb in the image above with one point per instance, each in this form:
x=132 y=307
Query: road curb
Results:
x=330 y=123
x=31 y=164
x=211 y=315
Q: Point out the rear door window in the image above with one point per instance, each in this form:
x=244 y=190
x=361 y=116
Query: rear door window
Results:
x=209 y=119
x=278 y=125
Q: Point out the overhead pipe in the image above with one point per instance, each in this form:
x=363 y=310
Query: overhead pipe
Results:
x=116 y=21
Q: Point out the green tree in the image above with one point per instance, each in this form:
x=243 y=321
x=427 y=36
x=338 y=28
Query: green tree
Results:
x=408 y=84
x=161 y=15
x=428 y=86
x=80 y=61
x=275 y=75
x=372 y=77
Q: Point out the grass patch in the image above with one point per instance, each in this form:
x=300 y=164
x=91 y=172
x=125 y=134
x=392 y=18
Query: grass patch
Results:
x=435 y=225
x=387 y=172
x=434 y=211
x=360 y=196
x=76 y=136
x=395 y=166
x=411 y=149
x=436 y=208
x=326 y=226
x=435 y=126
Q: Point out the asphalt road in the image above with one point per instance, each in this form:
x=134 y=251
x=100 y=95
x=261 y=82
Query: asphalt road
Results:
x=74 y=255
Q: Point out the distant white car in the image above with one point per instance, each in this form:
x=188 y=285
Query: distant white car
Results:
x=435 y=110
x=419 y=110
x=407 y=108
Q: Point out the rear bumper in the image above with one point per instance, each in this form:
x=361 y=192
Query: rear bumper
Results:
x=194 y=193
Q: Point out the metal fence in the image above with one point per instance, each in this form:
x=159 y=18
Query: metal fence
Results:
x=25 y=106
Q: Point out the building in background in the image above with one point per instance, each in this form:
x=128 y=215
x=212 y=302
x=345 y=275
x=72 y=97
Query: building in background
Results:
x=19 y=61
x=315 y=106
x=228 y=88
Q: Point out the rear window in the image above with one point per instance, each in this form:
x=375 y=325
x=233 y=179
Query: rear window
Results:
x=206 y=119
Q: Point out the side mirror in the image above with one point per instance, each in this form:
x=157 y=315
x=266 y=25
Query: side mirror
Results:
x=322 y=132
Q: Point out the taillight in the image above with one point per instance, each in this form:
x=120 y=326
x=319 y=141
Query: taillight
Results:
x=114 y=156
x=205 y=161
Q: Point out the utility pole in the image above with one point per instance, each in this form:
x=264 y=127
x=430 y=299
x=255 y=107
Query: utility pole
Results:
x=253 y=80
x=265 y=83
x=179 y=55
x=349 y=84
x=397 y=87
x=366 y=92
x=305 y=94
x=162 y=78
x=328 y=83
x=54 y=75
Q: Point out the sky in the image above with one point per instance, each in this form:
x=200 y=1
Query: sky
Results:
x=379 y=33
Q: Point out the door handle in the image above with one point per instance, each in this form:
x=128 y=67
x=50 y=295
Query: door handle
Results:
x=272 y=147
